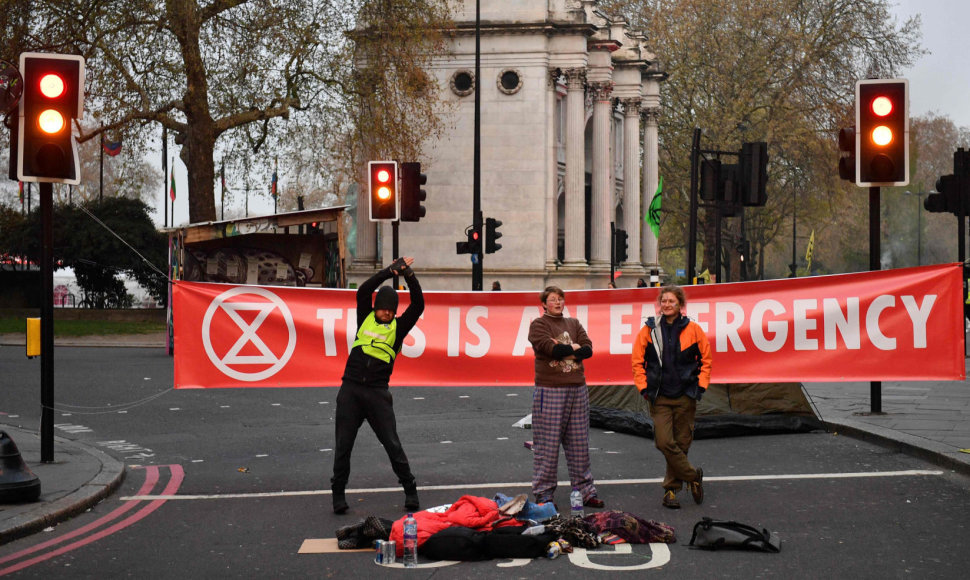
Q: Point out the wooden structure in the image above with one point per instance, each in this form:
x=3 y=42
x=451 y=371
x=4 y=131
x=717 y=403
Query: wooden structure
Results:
x=300 y=248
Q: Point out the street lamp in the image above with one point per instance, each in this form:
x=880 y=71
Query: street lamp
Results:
x=919 y=223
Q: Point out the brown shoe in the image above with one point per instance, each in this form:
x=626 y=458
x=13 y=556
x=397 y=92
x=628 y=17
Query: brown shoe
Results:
x=593 y=502
x=697 y=487
x=670 y=500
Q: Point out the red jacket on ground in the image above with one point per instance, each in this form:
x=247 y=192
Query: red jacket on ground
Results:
x=469 y=511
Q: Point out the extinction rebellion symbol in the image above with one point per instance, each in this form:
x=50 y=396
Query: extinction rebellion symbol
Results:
x=264 y=309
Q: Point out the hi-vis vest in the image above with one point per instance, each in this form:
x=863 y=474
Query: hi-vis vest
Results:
x=376 y=339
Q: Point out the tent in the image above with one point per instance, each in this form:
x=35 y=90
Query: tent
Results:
x=726 y=410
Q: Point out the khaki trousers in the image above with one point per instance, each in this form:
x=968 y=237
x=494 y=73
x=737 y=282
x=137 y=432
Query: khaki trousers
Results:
x=673 y=432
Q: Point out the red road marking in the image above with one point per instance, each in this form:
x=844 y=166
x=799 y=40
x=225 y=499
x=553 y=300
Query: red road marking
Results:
x=151 y=478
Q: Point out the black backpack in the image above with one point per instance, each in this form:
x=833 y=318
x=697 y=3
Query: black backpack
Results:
x=713 y=534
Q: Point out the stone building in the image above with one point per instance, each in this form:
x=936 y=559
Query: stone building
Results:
x=569 y=106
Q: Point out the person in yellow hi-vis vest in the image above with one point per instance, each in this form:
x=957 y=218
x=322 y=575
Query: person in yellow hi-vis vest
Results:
x=364 y=393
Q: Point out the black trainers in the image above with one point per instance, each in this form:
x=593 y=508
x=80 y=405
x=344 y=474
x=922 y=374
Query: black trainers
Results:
x=670 y=500
x=594 y=502
x=340 y=504
x=697 y=487
x=411 y=502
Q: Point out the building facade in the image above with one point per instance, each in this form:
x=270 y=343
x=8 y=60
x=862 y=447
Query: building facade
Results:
x=569 y=107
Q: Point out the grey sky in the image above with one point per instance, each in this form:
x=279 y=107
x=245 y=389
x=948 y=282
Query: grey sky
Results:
x=940 y=81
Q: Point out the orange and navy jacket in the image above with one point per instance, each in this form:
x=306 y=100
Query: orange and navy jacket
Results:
x=692 y=361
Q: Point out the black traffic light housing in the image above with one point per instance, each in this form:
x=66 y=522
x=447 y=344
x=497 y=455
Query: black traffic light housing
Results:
x=411 y=193
x=847 y=162
x=754 y=173
x=382 y=190
x=472 y=243
x=621 y=247
x=492 y=235
x=882 y=132
x=53 y=97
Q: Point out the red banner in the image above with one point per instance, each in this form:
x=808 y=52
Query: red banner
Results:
x=905 y=324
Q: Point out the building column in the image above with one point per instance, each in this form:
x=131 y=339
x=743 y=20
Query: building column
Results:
x=552 y=181
x=651 y=171
x=632 y=209
x=602 y=170
x=575 y=226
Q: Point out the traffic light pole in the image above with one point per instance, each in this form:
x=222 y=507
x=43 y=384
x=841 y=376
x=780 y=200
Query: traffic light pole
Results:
x=875 y=387
x=692 y=229
x=395 y=253
x=47 y=323
x=612 y=251
x=477 y=267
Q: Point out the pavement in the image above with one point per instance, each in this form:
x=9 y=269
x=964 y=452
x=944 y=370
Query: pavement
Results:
x=926 y=419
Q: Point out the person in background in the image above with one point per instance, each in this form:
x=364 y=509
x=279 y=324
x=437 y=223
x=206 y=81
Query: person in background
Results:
x=364 y=393
x=560 y=403
x=671 y=370
x=641 y=283
x=496 y=286
x=611 y=285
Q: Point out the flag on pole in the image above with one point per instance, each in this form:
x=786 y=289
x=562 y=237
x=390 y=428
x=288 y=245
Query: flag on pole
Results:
x=653 y=212
x=810 y=250
x=112 y=148
x=272 y=187
x=171 y=190
x=21 y=186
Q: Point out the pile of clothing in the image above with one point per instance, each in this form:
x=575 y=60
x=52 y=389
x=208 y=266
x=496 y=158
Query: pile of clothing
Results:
x=478 y=528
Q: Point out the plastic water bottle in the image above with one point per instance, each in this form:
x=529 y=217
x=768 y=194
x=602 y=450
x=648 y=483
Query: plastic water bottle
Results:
x=410 y=541
x=576 y=503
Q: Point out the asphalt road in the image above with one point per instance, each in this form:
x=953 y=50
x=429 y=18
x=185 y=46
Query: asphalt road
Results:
x=248 y=467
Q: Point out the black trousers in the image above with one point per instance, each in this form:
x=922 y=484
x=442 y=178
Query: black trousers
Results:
x=356 y=403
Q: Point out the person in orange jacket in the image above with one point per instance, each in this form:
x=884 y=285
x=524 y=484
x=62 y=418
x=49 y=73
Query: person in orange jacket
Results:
x=671 y=370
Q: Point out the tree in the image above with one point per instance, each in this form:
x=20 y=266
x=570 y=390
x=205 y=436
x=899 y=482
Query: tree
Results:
x=96 y=254
x=781 y=71
x=237 y=70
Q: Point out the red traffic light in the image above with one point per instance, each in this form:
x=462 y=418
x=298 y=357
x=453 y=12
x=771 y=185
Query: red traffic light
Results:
x=882 y=132
x=53 y=96
x=382 y=188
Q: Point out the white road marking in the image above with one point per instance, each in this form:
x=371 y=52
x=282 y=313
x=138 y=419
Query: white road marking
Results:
x=528 y=484
x=503 y=438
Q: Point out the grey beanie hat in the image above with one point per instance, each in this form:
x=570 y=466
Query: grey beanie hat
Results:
x=386 y=299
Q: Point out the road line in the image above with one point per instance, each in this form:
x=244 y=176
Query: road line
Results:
x=177 y=475
x=599 y=482
x=151 y=478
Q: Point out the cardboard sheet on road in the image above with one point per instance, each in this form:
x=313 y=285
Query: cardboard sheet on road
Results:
x=325 y=546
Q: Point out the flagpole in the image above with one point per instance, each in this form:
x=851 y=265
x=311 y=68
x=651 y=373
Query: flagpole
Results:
x=164 y=176
x=222 y=175
x=101 y=163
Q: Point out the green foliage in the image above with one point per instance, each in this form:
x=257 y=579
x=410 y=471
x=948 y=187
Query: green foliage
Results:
x=96 y=255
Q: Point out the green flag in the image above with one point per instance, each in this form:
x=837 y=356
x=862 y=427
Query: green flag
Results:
x=653 y=213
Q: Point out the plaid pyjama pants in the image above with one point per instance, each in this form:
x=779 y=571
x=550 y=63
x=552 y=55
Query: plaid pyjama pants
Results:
x=560 y=415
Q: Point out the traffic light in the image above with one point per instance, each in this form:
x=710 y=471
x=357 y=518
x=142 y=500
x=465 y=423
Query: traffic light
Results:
x=472 y=243
x=382 y=185
x=411 y=193
x=882 y=138
x=754 y=173
x=948 y=198
x=710 y=179
x=491 y=235
x=53 y=97
x=847 y=164
x=622 y=246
